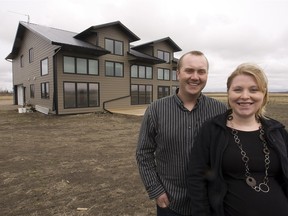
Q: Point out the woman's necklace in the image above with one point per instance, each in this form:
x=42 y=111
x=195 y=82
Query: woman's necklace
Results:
x=264 y=187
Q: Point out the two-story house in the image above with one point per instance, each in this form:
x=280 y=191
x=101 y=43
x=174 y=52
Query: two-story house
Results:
x=63 y=72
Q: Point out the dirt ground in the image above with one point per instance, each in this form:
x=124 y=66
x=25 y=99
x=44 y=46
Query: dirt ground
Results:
x=53 y=165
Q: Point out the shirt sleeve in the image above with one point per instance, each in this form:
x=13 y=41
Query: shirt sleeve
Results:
x=145 y=156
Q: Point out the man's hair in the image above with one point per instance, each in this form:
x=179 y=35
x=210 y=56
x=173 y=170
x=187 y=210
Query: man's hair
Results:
x=194 y=52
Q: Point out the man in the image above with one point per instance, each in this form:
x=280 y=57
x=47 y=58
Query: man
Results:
x=168 y=132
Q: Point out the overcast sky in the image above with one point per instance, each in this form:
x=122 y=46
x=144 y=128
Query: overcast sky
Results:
x=229 y=32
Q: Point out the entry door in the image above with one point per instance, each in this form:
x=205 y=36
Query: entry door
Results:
x=20 y=95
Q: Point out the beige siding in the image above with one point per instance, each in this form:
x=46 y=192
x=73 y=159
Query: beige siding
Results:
x=30 y=73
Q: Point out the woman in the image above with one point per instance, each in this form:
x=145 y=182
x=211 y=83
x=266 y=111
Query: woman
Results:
x=239 y=163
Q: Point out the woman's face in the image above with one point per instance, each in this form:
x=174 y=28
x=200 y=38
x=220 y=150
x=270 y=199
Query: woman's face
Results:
x=244 y=96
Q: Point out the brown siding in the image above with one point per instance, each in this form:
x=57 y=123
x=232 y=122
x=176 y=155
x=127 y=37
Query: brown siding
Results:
x=30 y=73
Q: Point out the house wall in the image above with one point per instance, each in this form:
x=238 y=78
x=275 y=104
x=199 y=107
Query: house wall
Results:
x=30 y=73
x=111 y=88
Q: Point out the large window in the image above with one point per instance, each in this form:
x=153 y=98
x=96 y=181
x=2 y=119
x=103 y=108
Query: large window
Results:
x=114 y=69
x=80 y=95
x=139 y=71
x=163 y=91
x=114 y=46
x=174 y=75
x=141 y=94
x=44 y=66
x=80 y=65
x=45 y=90
x=174 y=88
x=163 y=74
x=163 y=55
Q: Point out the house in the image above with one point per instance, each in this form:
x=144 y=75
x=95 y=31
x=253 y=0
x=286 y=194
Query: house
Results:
x=63 y=72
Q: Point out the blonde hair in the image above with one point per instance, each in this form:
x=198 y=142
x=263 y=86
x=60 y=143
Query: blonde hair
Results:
x=262 y=82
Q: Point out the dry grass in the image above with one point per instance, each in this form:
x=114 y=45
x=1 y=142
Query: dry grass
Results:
x=52 y=165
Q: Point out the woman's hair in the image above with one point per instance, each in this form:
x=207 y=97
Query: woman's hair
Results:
x=194 y=52
x=258 y=74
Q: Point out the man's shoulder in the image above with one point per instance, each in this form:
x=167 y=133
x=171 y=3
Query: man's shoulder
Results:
x=211 y=100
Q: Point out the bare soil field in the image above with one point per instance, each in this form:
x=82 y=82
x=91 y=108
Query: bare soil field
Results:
x=75 y=164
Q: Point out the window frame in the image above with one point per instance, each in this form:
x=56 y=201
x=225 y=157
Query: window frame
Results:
x=44 y=67
x=45 y=92
x=76 y=103
x=113 y=74
x=112 y=45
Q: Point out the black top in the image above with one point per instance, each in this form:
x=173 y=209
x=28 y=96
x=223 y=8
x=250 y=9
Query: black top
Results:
x=241 y=199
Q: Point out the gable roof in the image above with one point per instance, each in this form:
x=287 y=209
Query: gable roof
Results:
x=168 y=40
x=65 y=39
x=132 y=37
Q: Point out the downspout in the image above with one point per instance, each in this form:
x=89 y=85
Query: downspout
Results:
x=55 y=80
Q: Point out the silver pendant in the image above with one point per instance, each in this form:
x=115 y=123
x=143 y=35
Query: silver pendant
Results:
x=251 y=181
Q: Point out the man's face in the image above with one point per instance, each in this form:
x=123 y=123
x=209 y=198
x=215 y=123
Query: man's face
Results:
x=193 y=74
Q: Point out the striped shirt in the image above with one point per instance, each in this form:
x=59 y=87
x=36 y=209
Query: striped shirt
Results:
x=166 y=137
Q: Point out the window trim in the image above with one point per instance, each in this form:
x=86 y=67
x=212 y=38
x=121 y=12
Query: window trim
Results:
x=41 y=66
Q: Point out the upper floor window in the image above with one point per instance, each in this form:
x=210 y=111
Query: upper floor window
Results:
x=31 y=55
x=80 y=65
x=114 y=46
x=44 y=67
x=21 y=61
x=139 y=71
x=163 y=74
x=163 y=55
x=114 y=69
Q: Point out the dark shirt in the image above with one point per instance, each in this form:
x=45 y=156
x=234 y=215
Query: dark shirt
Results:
x=241 y=199
x=166 y=137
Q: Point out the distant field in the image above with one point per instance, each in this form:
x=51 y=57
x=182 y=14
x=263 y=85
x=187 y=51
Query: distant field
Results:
x=273 y=97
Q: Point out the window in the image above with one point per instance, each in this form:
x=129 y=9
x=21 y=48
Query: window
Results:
x=139 y=71
x=21 y=61
x=81 y=95
x=44 y=67
x=114 y=69
x=163 y=91
x=174 y=88
x=115 y=47
x=174 y=75
x=163 y=55
x=69 y=64
x=31 y=55
x=92 y=67
x=141 y=94
x=45 y=90
x=163 y=74
x=80 y=65
x=32 y=91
